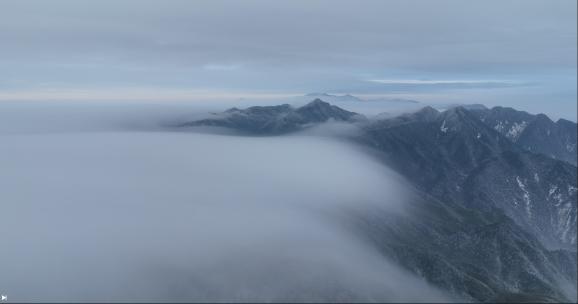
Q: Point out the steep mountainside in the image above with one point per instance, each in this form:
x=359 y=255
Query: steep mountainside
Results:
x=476 y=255
x=454 y=156
x=490 y=220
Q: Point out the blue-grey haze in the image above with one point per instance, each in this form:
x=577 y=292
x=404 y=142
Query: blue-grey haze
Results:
x=513 y=53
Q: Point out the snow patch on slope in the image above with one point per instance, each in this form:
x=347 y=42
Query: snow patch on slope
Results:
x=443 y=128
x=526 y=196
x=516 y=130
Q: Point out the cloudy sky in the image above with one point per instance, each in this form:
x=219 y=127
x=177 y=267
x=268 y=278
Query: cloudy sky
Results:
x=515 y=53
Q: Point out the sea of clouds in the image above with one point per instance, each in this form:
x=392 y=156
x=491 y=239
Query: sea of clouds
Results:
x=98 y=203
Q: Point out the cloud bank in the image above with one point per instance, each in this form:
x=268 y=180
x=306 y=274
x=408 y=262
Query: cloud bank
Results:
x=119 y=215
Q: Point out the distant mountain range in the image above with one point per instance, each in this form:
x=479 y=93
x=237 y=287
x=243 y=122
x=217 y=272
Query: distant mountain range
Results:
x=494 y=201
x=277 y=119
x=350 y=98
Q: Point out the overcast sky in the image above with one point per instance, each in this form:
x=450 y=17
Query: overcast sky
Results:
x=516 y=53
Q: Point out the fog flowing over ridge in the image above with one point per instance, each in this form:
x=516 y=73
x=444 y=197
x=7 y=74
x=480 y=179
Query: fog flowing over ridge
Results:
x=119 y=215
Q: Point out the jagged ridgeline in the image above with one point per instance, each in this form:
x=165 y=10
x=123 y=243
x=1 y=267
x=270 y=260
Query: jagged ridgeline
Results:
x=273 y=120
x=536 y=133
x=495 y=194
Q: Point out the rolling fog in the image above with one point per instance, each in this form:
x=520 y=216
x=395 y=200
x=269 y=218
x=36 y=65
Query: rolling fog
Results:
x=98 y=204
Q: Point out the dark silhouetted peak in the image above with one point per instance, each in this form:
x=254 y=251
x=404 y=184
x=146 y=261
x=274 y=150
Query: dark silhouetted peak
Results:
x=566 y=122
x=428 y=110
x=469 y=107
x=543 y=118
x=316 y=105
x=426 y=114
x=457 y=116
x=319 y=111
x=459 y=111
x=317 y=102
x=510 y=113
x=504 y=109
x=506 y=116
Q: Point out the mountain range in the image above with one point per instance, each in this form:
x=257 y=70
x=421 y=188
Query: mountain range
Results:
x=494 y=193
x=351 y=98
x=277 y=119
x=535 y=133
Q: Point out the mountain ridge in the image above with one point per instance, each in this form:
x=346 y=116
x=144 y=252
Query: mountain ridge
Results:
x=537 y=133
x=276 y=120
x=474 y=188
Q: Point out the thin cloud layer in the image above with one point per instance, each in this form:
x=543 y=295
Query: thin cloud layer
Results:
x=293 y=47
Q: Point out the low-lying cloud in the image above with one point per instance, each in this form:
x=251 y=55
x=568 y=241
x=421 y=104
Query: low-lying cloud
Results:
x=162 y=216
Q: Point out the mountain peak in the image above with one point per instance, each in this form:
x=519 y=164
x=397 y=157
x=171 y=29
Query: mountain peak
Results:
x=456 y=110
x=427 y=109
x=500 y=108
x=459 y=118
x=426 y=113
x=317 y=102
x=319 y=111
x=456 y=114
x=543 y=117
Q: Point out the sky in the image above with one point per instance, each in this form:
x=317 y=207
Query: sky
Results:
x=513 y=53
